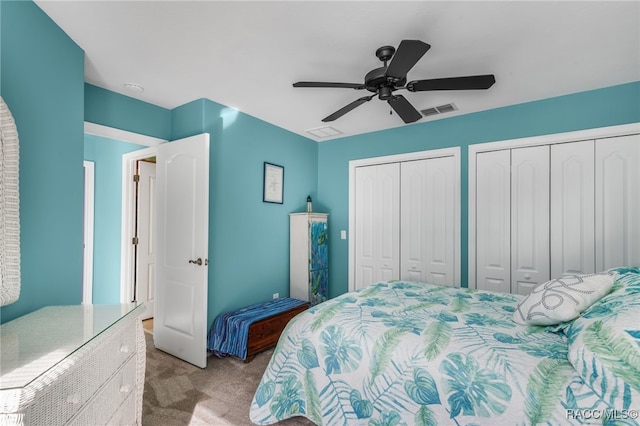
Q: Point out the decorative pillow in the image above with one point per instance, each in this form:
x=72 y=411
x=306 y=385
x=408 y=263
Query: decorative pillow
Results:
x=604 y=345
x=562 y=299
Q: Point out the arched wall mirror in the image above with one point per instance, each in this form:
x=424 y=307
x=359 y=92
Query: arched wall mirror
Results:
x=9 y=208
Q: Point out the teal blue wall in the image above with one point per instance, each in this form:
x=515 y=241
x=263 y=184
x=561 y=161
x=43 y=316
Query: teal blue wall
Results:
x=107 y=157
x=42 y=82
x=112 y=109
x=248 y=239
x=597 y=108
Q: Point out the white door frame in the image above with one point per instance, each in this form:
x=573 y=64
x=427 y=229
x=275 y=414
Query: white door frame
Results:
x=128 y=195
x=89 y=216
x=552 y=139
x=127 y=264
x=410 y=156
x=145 y=251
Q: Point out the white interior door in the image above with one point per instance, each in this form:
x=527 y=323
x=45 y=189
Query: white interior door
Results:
x=377 y=213
x=617 y=202
x=427 y=220
x=493 y=221
x=180 y=324
x=145 y=251
x=530 y=263
x=572 y=208
x=414 y=223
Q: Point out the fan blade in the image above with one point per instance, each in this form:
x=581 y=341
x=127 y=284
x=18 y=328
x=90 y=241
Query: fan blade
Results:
x=324 y=84
x=408 y=54
x=342 y=111
x=472 y=82
x=404 y=109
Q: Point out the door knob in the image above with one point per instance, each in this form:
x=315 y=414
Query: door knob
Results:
x=198 y=261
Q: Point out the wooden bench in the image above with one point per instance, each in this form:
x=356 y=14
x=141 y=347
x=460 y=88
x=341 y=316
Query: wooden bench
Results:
x=246 y=331
x=264 y=334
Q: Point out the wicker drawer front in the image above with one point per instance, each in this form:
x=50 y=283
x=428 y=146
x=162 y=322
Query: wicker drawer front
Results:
x=126 y=414
x=107 y=402
x=126 y=345
x=81 y=375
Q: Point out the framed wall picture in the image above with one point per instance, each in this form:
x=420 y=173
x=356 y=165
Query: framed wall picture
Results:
x=273 y=183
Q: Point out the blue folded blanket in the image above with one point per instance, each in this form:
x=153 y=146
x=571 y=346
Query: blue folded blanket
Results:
x=229 y=331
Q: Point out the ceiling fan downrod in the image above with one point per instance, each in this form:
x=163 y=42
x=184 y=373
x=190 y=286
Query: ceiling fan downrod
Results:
x=385 y=53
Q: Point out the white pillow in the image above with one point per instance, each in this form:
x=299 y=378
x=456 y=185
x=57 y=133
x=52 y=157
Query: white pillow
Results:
x=562 y=299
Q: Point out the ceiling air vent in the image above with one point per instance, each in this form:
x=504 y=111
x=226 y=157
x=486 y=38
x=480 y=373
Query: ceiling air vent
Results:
x=324 y=132
x=439 y=110
x=429 y=111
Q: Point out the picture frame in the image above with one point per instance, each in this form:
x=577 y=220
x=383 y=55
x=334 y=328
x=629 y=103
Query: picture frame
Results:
x=273 y=185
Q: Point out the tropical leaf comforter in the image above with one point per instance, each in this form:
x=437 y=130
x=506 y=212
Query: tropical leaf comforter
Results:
x=400 y=353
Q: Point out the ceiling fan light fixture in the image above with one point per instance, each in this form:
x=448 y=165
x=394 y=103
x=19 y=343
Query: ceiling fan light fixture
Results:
x=385 y=93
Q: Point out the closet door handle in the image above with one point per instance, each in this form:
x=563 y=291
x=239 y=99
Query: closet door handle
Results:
x=198 y=261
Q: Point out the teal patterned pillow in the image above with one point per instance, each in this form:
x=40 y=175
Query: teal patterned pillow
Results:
x=604 y=343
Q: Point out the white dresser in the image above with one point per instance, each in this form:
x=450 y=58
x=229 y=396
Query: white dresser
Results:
x=73 y=365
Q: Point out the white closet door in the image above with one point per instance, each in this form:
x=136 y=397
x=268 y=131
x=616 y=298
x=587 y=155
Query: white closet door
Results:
x=493 y=221
x=530 y=263
x=572 y=208
x=427 y=234
x=377 y=224
x=617 y=202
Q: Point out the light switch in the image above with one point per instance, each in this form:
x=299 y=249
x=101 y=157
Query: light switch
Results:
x=343 y=235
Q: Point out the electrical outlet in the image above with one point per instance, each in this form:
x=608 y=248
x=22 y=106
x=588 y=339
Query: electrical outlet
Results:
x=276 y=295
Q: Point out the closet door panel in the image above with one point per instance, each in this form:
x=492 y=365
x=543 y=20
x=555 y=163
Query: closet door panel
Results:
x=413 y=230
x=440 y=217
x=572 y=208
x=365 y=208
x=389 y=221
x=377 y=224
x=529 y=218
x=617 y=202
x=493 y=221
x=427 y=234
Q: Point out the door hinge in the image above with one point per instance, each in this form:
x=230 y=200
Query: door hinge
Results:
x=136 y=178
x=134 y=241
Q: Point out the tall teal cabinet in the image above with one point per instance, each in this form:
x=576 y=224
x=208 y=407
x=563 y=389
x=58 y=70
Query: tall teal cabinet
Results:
x=309 y=257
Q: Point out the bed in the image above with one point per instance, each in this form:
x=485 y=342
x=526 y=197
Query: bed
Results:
x=404 y=353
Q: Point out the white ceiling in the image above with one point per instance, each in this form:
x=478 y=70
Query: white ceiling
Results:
x=246 y=55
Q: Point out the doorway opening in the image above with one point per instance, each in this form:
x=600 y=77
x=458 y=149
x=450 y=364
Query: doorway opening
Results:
x=136 y=192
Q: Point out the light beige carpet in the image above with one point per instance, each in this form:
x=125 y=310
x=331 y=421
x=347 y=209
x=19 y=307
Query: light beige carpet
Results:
x=178 y=393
